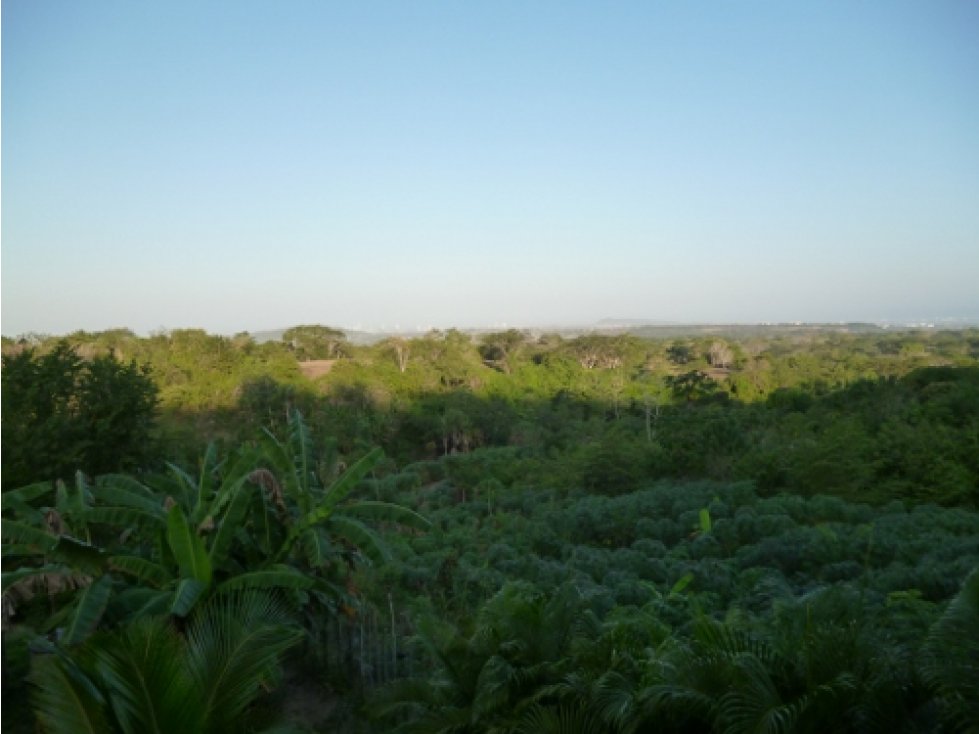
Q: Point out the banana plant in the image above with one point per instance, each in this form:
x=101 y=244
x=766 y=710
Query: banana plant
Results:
x=262 y=519
x=319 y=523
x=196 y=539
x=49 y=561
x=153 y=560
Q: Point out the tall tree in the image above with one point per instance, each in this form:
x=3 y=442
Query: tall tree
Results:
x=315 y=341
x=62 y=413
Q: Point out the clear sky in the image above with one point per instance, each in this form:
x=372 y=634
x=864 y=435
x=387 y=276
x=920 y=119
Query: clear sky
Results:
x=250 y=165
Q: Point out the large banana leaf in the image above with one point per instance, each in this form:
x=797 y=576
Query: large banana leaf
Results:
x=186 y=596
x=11 y=550
x=138 y=602
x=194 y=494
x=238 y=474
x=123 y=517
x=74 y=502
x=210 y=465
x=288 y=468
x=302 y=446
x=335 y=494
x=18 y=532
x=13 y=577
x=83 y=556
x=88 y=611
x=187 y=547
x=181 y=484
x=18 y=508
x=230 y=522
x=27 y=493
x=319 y=550
x=126 y=492
x=141 y=569
x=344 y=485
x=361 y=537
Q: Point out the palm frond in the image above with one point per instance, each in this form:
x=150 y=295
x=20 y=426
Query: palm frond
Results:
x=951 y=660
x=753 y=702
x=571 y=718
x=142 y=671
x=493 y=685
x=65 y=700
x=233 y=644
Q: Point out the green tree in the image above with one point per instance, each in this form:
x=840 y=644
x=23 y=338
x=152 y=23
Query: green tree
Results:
x=497 y=348
x=62 y=413
x=692 y=386
x=315 y=342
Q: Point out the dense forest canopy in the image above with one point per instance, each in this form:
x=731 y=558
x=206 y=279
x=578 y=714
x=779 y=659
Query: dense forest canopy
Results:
x=722 y=529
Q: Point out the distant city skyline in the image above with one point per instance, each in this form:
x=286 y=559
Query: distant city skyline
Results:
x=251 y=166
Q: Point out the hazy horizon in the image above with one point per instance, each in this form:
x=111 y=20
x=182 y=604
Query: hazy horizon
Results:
x=251 y=166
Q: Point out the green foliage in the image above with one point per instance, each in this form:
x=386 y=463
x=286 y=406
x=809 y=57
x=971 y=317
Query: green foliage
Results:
x=951 y=663
x=147 y=677
x=709 y=532
x=315 y=342
x=62 y=413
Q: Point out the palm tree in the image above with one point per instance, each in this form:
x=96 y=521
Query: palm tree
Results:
x=818 y=666
x=489 y=680
x=148 y=678
x=950 y=662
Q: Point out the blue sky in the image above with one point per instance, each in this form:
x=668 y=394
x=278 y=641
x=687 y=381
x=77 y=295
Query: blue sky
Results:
x=250 y=165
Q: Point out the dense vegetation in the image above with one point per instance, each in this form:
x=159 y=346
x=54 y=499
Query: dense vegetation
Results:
x=711 y=532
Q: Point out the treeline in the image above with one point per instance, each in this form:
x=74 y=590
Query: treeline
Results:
x=866 y=417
